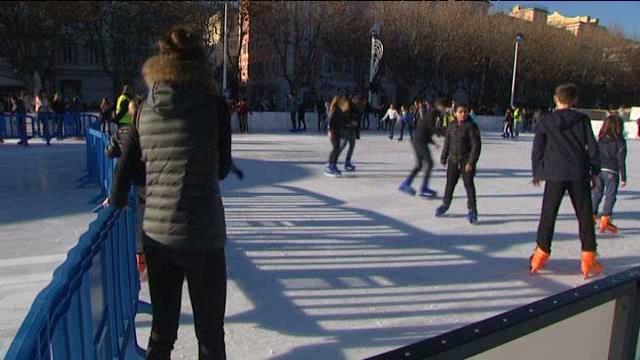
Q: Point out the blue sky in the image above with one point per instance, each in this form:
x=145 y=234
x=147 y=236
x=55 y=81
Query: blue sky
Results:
x=623 y=13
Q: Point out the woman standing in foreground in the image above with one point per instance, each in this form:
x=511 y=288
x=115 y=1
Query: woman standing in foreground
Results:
x=184 y=141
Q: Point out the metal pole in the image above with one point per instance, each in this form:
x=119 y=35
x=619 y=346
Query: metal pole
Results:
x=224 y=55
x=371 y=74
x=515 y=66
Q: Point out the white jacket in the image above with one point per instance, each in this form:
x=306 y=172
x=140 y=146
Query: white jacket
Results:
x=391 y=114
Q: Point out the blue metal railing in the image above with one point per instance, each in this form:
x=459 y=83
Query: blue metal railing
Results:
x=47 y=125
x=99 y=166
x=88 y=310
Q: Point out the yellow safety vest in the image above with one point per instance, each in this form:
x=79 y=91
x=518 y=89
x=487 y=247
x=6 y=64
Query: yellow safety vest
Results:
x=126 y=119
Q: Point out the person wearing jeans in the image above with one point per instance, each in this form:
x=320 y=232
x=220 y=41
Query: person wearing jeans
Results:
x=406 y=117
x=613 y=154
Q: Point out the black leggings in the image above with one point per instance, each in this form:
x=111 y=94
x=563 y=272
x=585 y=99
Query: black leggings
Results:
x=206 y=274
x=294 y=125
x=580 y=194
x=338 y=145
x=392 y=127
x=423 y=158
x=454 y=170
x=302 y=123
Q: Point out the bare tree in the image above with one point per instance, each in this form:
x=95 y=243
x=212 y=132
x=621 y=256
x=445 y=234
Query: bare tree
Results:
x=32 y=31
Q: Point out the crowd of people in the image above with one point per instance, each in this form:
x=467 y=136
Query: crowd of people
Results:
x=51 y=112
x=175 y=147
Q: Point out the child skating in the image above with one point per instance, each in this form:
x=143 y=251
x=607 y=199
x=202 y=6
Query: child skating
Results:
x=391 y=118
x=406 y=117
x=460 y=155
x=565 y=155
x=422 y=138
x=613 y=172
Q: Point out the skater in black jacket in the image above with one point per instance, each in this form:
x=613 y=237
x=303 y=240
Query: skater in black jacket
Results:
x=422 y=137
x=565 y=155
x=460 y=155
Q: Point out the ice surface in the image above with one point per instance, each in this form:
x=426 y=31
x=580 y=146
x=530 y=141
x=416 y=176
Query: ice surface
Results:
x=44 y=208
x=323 y=268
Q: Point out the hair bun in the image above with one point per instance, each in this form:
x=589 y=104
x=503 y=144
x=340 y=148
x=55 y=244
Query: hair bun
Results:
x=181 y=42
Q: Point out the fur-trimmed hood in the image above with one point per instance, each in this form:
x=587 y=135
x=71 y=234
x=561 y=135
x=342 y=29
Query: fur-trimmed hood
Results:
x=178 y=72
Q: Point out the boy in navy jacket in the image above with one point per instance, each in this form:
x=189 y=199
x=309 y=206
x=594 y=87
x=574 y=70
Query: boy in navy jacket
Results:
x=565 y=155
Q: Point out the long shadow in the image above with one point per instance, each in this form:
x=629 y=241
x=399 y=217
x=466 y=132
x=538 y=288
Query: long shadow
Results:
x=357 y=279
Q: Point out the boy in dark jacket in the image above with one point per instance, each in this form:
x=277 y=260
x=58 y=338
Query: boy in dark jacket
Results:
x=565 y=155
x=460 y=155
x=613 y=154
x=422 y=138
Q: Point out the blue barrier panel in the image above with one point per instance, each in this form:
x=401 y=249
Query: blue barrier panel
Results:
x=99 y=166
x=48 y=125
x=88 y=310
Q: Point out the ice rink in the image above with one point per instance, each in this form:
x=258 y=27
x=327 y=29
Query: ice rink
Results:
x=323 y=268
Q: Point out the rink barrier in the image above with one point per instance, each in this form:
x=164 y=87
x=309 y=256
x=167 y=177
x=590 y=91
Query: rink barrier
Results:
x=548 y=326
x=48 y=125
x=99 y=166
x=280 y=122
x=88 y=309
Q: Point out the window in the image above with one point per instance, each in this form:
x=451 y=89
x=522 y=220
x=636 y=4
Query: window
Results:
x=69 y=53
x=338 y=66
x=348 y=67
x=89 y=55
x=244 y=48
x=327 y=66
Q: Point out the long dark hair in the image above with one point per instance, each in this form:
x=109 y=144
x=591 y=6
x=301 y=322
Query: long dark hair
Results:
x=612 y=127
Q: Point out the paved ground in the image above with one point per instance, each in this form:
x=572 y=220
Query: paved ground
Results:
x=325 y=268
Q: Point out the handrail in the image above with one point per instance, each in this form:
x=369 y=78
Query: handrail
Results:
x=88 y=309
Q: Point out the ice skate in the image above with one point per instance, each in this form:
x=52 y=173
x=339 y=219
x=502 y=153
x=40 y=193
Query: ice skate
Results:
x=348 y=166
x=589 y=266
x=405 y=187
x=441 y=210
x=538 y=260
x=472 y=216
x=606 y=226
x=428 y=193
x=332 y=171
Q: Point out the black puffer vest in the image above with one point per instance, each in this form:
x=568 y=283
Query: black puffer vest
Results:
x=179 y=138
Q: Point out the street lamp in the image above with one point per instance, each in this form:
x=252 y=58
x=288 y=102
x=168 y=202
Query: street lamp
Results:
x=376 y=54
x=519 y=39
x=224 y=55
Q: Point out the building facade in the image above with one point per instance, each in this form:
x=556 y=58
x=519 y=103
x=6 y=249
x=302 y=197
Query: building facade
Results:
x=577 y=25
